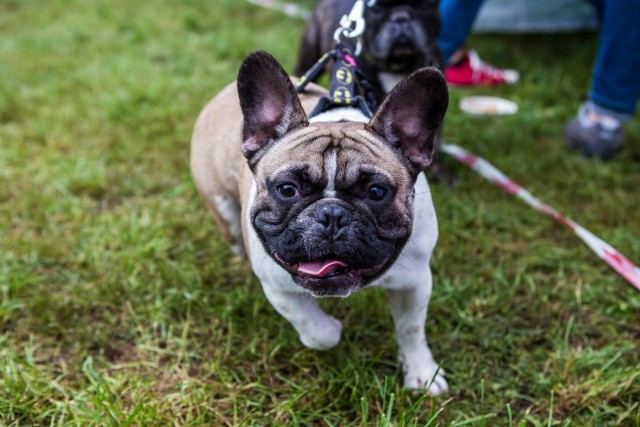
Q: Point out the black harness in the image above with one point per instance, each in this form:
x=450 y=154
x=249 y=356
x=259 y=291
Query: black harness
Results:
x=349 y=87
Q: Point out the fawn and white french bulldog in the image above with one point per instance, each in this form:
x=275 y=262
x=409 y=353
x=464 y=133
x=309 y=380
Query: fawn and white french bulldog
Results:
x=330 y=205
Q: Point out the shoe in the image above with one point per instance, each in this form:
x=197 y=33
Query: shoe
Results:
x=596 y=135
x=472 y=71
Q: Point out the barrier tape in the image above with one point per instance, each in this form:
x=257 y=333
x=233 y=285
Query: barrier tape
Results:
x=606 y=252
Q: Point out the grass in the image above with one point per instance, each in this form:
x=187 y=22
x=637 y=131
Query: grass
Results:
x=121 y=305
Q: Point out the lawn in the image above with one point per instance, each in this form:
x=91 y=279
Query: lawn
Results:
x=121 y=305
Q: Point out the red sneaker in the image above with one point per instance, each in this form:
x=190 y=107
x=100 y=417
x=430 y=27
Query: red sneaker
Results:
x=472 y=71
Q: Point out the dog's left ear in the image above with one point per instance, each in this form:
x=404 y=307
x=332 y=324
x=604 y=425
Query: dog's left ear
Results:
x=410 y=116
x=269 y=102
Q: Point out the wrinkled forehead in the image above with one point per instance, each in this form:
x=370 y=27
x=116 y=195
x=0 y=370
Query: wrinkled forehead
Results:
x=340 y=153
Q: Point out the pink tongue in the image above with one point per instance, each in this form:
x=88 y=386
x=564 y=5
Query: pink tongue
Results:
x=320 y=268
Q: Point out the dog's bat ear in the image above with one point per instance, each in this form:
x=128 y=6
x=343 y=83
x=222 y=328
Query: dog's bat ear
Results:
x=269 y=102
x=410 y=116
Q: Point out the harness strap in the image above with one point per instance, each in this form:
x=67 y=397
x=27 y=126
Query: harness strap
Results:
x=348 y=87
x=314 y=72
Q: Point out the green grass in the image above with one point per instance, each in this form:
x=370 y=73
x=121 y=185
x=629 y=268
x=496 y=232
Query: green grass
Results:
x=121 y=305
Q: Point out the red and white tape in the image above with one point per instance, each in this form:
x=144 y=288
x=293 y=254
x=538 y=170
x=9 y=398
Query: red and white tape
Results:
x=606 y=252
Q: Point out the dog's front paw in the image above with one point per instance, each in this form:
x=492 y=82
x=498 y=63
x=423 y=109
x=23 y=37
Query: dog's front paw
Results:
x=321 y=335
x=435 y=384
x=425 y=375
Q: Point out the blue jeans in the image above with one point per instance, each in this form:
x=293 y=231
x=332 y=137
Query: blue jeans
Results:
x=457 y=18
x=616 y=75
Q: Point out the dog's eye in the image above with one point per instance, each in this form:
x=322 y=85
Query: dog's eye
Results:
x=287 y=190
x=376 y=193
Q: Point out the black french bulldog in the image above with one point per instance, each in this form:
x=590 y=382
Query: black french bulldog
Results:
x=399 y=38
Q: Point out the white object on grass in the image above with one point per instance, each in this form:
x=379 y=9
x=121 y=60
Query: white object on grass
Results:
x=488 y=105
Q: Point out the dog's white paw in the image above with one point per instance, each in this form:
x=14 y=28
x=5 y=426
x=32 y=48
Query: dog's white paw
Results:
x=435 y=384
x=425 y=375
x=321 y=335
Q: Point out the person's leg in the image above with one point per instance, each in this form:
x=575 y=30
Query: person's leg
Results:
x=464 y=67
x=457 y=19
x=616 y=75
x=597 y=131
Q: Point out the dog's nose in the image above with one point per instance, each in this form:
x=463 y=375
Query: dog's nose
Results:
x=333 y=218
x=402 y=25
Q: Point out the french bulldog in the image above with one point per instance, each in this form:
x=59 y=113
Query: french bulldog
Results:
x=399 y=38
x=330 y=205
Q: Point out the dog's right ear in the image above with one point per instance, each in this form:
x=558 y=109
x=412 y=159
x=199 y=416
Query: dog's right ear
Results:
x=410 y=116
x=269 y=102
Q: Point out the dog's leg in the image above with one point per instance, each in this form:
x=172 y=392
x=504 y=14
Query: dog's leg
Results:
x=409 y=310
x=226 y=212
x=316 y=329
